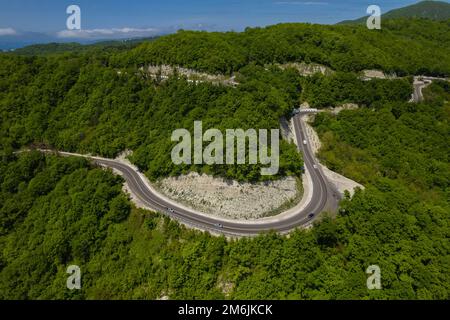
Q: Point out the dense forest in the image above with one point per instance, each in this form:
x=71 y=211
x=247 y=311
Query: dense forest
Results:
x=61 y=211
x=56 y=211
x=72 y=103
x=332 y=91
x=402 y=46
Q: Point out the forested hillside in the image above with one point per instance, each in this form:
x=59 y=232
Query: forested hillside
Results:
x=73 y=47
x=75 y=103
x=55 y=211
x=100 y=102
x=405 y=46
x=402 y=141
x=435 y=10
x=331 y=91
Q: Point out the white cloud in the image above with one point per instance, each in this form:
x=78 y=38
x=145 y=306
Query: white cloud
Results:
x=7 y=32
x=107 y=33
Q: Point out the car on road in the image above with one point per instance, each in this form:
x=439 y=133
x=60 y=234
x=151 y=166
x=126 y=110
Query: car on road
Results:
x=311 y=215
x=218 y=225
x=315 y=166
x=304 y=142
x=170 y=210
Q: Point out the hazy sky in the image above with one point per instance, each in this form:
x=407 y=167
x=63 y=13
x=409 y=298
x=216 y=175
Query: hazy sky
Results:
x=102 y=17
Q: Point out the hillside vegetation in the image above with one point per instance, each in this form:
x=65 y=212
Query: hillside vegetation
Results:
x=405 y=46
x=55 y=212
x=73 y=47
x=100 y=102
x=434 y=10
x=74 y=103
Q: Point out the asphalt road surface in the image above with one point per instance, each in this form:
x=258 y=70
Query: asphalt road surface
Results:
x=421 y=82
x=417 y=93
x=324 y=197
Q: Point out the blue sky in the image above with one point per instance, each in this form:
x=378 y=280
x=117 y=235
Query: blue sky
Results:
x=117 y=18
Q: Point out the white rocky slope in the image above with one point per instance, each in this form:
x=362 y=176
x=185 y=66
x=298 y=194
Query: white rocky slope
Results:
x=340 y=182
x=229 y=199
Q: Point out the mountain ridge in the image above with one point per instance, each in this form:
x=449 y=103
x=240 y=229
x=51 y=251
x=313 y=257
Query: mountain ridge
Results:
x=434 y=10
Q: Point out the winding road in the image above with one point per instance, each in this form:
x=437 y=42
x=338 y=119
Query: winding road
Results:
x=324 y=197
x=421 y=82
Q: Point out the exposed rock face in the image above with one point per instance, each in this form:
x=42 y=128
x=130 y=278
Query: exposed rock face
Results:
x=286 y=130
x=308 y=69
x=345 y=106
x=165 y=71
x=376 y=74
x=230 y=199
x=339 y=181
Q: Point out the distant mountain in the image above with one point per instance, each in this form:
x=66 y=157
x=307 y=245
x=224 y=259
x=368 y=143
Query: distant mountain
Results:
x=9 y=42
x=55 y=48
x=435 y=10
